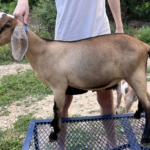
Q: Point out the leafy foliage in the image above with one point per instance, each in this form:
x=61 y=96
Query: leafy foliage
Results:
x=143 y=34
x=8 y=6
x=143 y=10
x=133 y=9
x=45 y=13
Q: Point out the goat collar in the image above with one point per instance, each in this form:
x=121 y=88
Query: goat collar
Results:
x=25 y=28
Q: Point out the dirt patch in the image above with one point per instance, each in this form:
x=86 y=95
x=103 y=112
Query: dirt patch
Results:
x=13 y=69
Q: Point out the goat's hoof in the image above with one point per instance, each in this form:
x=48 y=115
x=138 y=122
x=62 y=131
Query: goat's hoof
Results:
x=52 y=123
x=145 y=141
x=137 y=116
x=52 y=137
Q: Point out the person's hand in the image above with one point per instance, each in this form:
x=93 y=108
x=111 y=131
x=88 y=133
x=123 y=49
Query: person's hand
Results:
x=119 y=29
x=21 y=11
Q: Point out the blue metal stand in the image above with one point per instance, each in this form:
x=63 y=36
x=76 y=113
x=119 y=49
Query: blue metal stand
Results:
x=88 y=133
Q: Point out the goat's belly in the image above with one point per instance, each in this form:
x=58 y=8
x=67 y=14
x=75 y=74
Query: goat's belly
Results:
x=94 y=85
x=105 y=87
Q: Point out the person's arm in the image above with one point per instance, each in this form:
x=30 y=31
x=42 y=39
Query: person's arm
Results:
x=22 y=11
x=116 y=11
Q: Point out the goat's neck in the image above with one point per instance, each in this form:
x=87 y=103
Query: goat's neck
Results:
x=36 y=46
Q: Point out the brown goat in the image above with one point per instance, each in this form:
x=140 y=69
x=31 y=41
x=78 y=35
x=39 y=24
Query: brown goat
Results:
x=90 y=64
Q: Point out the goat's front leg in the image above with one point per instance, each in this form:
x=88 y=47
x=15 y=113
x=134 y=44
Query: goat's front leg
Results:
x=59 y=98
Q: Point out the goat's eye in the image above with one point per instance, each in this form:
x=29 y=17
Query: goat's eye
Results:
x=7 y=26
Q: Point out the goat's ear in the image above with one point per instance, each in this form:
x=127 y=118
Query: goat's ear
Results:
x=19 y=43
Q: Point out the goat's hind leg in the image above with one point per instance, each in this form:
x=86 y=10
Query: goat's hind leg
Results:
x=145 y=105
x=140 y=109
x=140 y=89
x=146 y=134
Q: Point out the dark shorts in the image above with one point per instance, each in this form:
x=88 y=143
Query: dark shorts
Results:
x=74 y=91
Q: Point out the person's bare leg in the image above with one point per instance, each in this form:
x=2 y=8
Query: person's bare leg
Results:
x=67 y=104
x=105 y=99
x=62 y=135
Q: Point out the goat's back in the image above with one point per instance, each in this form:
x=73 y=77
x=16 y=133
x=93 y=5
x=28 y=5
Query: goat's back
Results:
x=91 y=60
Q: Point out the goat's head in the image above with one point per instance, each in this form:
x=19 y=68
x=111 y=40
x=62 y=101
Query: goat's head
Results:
x=12 y=31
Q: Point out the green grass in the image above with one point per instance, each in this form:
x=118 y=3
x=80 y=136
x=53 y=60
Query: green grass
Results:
x=16 y=88
x=4 y=111
x=6 y=57
x=21 y=85
x=148 y=70
x=148 y=73
x=93 y=111
x=13 y=138
x=83 y=134
x=148 y=79
x=76 y=115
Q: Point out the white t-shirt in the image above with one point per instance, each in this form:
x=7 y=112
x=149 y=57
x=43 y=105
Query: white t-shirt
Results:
x=79 y=19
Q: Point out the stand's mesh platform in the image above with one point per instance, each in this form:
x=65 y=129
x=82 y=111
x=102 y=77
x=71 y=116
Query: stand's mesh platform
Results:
x=118 y=132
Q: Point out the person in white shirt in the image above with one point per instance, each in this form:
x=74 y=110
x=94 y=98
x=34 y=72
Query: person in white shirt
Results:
x=79 y=19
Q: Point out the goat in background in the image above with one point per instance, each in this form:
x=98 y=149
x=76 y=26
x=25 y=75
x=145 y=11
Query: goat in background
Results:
x=128 y=94
x=95 y=63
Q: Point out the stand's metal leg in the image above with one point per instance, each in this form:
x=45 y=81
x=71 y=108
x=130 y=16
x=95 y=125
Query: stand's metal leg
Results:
x=36 y=141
